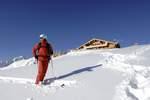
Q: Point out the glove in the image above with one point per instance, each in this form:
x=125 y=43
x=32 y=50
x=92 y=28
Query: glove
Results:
x=36 y=57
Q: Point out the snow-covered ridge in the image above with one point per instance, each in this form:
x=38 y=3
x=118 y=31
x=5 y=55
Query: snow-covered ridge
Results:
x=19 y=62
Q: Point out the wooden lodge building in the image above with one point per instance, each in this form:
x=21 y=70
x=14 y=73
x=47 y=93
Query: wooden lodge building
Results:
x=98 y=44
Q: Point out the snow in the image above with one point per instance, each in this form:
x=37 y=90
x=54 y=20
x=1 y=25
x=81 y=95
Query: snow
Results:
x=16 y=80
x=107 y=74
x=20 y=62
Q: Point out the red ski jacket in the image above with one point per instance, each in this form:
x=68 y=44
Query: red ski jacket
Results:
x=42 y=51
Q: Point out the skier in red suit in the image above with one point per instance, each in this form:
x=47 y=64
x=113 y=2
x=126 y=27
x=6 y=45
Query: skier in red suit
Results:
x=42 y=52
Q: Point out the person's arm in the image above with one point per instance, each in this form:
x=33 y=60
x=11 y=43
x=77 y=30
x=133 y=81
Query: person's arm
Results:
x=34 y=50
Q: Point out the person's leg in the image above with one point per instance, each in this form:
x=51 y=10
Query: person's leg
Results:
x=40 y=71
x=45 y=67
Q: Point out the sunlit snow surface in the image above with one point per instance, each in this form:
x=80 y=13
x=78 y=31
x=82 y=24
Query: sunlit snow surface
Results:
x=114 y=74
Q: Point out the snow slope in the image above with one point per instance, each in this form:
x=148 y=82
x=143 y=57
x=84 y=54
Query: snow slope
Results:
x=116 y=74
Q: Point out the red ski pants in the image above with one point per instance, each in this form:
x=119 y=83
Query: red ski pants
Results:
x=42 y=69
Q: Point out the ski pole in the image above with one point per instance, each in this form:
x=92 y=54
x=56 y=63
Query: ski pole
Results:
x=52 y=67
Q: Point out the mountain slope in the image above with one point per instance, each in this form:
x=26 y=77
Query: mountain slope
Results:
x=117 y=74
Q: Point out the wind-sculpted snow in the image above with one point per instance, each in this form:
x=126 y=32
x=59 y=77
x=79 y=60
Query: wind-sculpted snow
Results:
x=136 y=68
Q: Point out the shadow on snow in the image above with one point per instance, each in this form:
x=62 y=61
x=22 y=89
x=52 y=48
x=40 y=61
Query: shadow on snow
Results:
x=78 y=71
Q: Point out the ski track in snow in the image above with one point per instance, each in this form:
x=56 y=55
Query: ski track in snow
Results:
x=136 y=86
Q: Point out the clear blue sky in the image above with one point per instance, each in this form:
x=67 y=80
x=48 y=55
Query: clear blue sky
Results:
x=69 y=23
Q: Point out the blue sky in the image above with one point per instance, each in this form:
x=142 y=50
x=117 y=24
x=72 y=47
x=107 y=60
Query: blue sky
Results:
x=70 y=23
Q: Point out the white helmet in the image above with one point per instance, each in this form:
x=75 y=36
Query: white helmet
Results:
x=43 y=36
